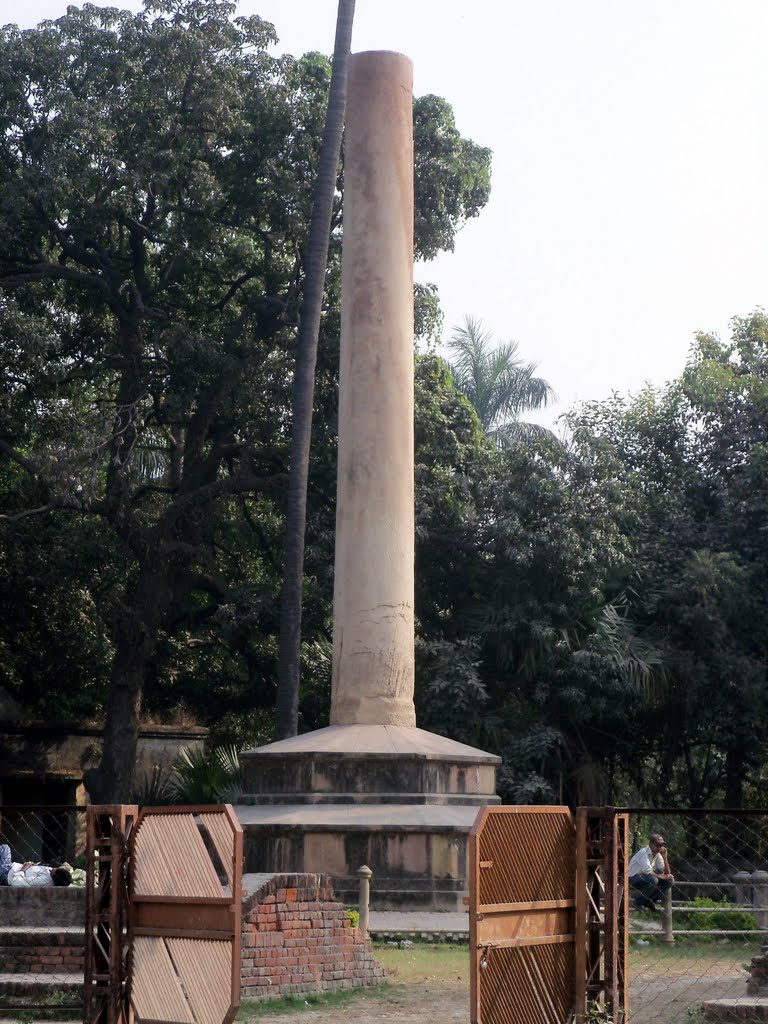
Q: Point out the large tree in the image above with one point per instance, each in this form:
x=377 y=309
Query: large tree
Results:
x=156 y=176
x=692 y=465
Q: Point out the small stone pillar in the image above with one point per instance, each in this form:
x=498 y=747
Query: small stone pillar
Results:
x=364 y=873
x=666 y=919
x=373 y=624
x=742 y=888
x=760 y=897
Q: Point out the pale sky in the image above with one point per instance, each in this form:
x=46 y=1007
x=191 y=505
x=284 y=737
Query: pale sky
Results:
x=630 y=172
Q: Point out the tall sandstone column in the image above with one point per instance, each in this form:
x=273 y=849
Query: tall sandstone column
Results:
x=373 y=632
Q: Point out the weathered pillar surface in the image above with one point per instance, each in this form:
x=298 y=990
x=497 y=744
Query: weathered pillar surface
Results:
x=373 y=594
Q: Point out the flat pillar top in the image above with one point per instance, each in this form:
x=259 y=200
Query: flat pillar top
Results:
x=378 y=740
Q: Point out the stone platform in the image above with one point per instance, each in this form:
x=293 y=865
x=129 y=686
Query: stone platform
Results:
x=399 y=799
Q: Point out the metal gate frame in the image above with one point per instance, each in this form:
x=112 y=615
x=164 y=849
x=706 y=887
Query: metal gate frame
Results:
x=586 y=909
x=602 y=923
x=106 y=912
x=188 y=895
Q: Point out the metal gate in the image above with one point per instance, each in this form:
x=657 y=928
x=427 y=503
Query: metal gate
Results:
x=163 y=934
x=547 y=924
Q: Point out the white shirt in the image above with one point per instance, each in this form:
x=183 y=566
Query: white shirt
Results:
x=35 y=875
x=644 y=863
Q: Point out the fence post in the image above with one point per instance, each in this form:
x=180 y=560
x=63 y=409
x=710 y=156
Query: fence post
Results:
x=666 y=919
x=742 y=885
x=364 y=873
x=760 y=897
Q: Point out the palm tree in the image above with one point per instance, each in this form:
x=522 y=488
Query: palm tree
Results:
x=289 y=660
x=497 y=382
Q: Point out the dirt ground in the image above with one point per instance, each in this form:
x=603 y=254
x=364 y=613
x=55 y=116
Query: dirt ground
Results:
x=664 y=989
x=425 y=985
x=401 y=1004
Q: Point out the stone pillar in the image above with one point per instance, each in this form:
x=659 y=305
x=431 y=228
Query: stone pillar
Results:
x=742 y=888
x=760 y=897
x=373 y=590
x=667 y=935
x=365 y=874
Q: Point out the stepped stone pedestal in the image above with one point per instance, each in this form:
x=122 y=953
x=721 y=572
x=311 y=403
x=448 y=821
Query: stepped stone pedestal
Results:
x=397 y=798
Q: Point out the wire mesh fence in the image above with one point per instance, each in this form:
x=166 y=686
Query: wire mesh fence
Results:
x=42 y=928
x=698 y=956
x=701 y=958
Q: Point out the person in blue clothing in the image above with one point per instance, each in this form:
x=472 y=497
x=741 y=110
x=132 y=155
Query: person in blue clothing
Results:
x=6 y=862
x=649 y=874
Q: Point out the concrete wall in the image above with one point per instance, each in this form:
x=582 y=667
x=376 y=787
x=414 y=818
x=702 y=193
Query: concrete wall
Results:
x=56 y=753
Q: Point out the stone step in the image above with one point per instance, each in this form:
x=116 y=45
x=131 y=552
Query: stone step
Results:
x=30 y=1018
x=39 y=985
x=42 y=907
x=57 y=935
x=9 y=983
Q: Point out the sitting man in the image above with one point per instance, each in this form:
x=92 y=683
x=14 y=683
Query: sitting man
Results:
x=649 y=874
x=29 y=875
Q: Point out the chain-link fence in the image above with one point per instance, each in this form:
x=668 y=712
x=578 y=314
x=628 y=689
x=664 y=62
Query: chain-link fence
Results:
x=42 y=928
x=699 y=956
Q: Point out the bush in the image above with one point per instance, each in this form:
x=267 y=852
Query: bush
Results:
x=713 y=915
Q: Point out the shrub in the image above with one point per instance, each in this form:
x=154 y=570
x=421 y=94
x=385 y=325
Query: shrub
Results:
x=713 y=915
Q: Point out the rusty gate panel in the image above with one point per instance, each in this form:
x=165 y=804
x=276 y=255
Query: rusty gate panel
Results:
x=108 y=830
x=185 y=877
x=522 y=909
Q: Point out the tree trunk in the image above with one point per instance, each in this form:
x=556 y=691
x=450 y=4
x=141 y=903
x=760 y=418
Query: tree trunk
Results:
x=113 y=780
x=734 y=776
x=304 y=380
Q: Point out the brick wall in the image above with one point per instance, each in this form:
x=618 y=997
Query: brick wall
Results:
x=41 y=950
x=297 y=939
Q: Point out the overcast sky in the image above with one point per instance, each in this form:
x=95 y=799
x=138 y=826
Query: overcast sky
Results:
x=630 y=172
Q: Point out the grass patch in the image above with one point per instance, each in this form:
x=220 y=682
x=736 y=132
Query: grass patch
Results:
x=423 y=962
x=287 y=1005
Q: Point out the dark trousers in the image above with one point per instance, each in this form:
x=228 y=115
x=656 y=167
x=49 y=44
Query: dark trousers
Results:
x=5 y=863
x=649 y=890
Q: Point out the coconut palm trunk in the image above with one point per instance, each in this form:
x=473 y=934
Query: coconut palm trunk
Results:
x=289 y=662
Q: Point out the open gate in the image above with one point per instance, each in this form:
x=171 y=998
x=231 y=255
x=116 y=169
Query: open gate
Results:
x=164 y=915
x=547 y=920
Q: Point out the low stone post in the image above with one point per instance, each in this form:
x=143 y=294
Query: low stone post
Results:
x=365 y=874
x=666 y=919
x=742 y=888
x=760 y=898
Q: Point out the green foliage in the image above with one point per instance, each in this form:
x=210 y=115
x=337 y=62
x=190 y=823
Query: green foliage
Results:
x=690 y=463
x=196 y=776
x=723 y=917
x=452 y=177
x=597 y=1013
x=497 y=382
x=353 y=916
